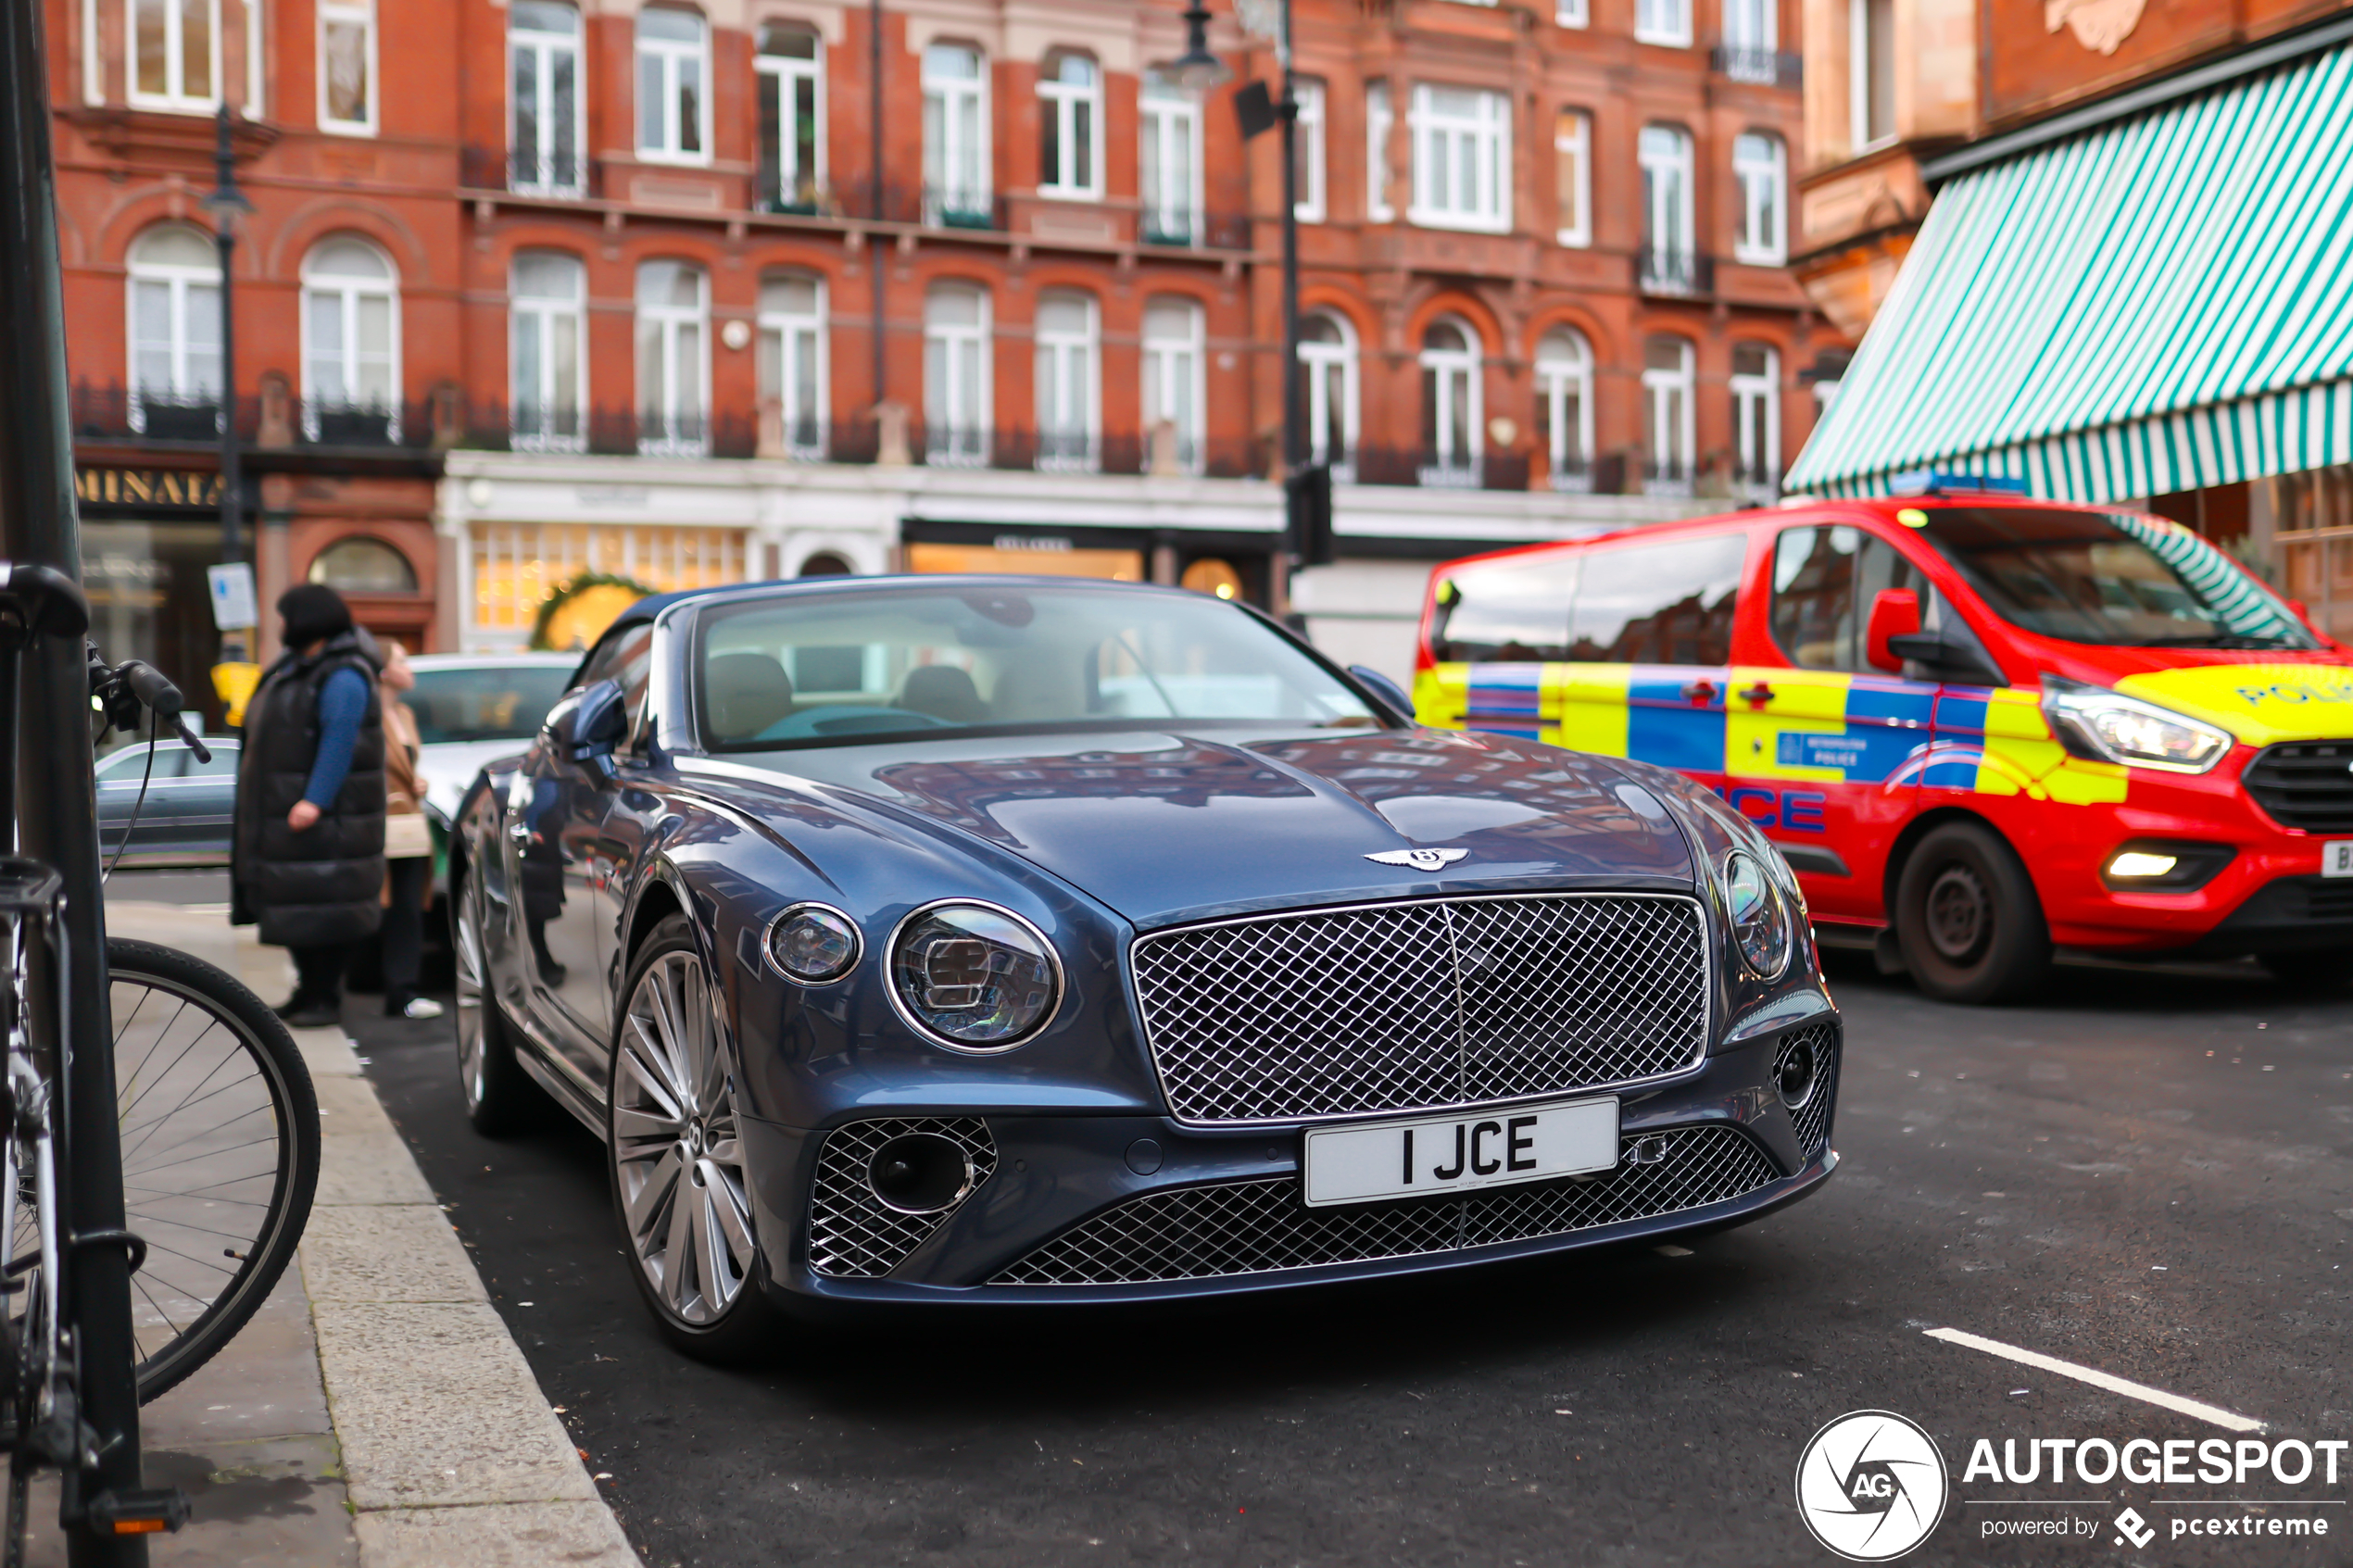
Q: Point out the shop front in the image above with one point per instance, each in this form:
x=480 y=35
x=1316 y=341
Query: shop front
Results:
x=147 y=535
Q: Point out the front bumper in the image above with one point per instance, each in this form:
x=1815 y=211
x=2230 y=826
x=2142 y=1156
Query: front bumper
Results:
x=1073 y=1200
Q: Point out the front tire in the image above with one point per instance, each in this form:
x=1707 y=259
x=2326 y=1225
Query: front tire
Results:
x=500 y=1097
x=674 y=1150
x=1966 y=919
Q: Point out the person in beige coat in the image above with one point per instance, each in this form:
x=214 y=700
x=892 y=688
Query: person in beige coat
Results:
x=408 y=846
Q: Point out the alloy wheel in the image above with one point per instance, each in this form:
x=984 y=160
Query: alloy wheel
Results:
x=678 y=1156
x=472 y=1059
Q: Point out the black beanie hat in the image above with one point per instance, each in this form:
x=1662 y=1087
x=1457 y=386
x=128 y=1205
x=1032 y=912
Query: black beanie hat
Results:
x=313 y=610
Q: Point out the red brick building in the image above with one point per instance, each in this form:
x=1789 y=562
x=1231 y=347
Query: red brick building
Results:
x=691 y=294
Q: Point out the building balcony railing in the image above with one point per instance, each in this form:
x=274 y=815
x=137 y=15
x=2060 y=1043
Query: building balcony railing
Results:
x=1667 y=479
x=1432 y=469
x=1192 y=227
x=113 y=413
x=1762 y=67
x=1675 y=272
x=563 y=174
x=963 y=207
x=1571 y=476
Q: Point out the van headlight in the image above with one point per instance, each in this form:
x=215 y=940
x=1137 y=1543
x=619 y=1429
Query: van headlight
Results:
x=2110 y=727
x=1759 y=914
x=974 y=976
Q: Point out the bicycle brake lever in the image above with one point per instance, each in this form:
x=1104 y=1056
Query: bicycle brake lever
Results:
x=202 y=752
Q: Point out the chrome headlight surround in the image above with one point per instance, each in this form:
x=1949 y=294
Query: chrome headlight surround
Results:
x=813 y=943
x=2108 y=726
x=1002 y=974
x=1758 y=913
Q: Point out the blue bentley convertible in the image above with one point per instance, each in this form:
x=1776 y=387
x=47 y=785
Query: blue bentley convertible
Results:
x=961 y=939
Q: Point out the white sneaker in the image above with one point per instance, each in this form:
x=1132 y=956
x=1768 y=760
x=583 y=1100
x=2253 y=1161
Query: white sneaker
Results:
x=421 y=1007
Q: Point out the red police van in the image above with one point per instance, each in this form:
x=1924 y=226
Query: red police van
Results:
x=1978 y=727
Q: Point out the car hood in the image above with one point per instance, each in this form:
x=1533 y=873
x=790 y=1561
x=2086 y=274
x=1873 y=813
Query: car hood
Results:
x=1167 y=826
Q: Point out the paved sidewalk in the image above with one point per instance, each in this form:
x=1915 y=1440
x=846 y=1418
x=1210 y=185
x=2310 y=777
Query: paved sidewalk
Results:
x=377 y=1412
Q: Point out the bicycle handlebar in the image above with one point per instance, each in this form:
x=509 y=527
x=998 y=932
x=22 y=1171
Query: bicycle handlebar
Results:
x=150 y=687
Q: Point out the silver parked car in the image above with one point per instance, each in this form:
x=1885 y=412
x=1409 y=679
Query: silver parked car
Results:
x=185 y=820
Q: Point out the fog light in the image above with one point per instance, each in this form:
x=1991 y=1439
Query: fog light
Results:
x=920 y=1173
x=2132 y=863
x=1795 y=1074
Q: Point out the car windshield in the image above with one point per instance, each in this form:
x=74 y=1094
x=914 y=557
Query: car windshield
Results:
x=485 y=701
x=2104 y=578
x=846 y=666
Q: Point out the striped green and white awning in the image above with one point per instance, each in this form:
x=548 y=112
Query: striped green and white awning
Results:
x=2161 y=303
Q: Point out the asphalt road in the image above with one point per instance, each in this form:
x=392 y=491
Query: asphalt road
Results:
x=2151 y=1173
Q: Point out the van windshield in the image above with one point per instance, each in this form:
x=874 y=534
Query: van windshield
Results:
x=2110 y=579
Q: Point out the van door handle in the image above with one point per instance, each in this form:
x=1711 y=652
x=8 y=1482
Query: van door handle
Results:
x=1759 y=693
x=1700 y=691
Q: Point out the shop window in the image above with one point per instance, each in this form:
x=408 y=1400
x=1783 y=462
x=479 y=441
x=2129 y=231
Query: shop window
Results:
x=1327 y=363
x=1667 y=378
x=673 y=359
x=1461 y=159
x=364 y=566
x=1210 y=575
x=957 y=187
x=350 y=345
x=1070 y=93
x=1175 y=394
x=347 y=67
x=956 y=372
x=516 y=566
x=1565 y=407
x=546 y=304
x=826 y=563
x=1069 y=382
x=174 y=297
x=175 y=54
x=792 y=359
x=791 y=67
x=543 y=45
x=673 y=104
x=1450 y=405
x=1169 y=159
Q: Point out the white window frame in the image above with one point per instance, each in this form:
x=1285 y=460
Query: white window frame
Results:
x=788 y=335
x=788 y=71
x=1160 y=359
x=1752 y=27
x=1668 y=213
x=175 y=98
x=1666 y=23
x=673 y=54
x=1380 y=122
x=547 y=312
x=1069 y=369
x=1064 y=100
x=962 y=441
x=1317 y=361
x=350 y=291
x=1571 y=13
x=1756 y=423
x=178 y=281
x=949 y=99
x=544 y=47
x=256 y=54
x=1573 y=146
x=363 y=13
x=1458 y=372
x=1556 y=378
x=1762 y=237
x=1441 y=139
x=1669 y=426
x=666 y=321
x=1169 y=117
x=1859 y=53
x=1314 y=166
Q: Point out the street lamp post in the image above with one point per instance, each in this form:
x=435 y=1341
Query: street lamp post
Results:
x=228 y=205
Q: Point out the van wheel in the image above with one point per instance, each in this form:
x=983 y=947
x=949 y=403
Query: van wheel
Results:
x=1968 y=920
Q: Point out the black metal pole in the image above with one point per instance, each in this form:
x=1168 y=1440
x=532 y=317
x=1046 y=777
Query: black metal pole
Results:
x=57 y=802
x=224 y=238
x=1294 y=385
x=875 y=203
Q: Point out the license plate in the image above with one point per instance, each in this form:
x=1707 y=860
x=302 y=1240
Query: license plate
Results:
x=2336 y=858
x=1458 y=1152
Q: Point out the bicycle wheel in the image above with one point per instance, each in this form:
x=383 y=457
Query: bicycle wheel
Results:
x=219 y=1151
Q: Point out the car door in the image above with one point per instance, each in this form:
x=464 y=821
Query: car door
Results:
x=121 y=781
x=1650 y=652
x=206 y=803
x=1824 y=751
x=555 y=821
x=629 y=820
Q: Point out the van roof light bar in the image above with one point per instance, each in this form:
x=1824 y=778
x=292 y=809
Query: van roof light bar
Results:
x=1938 y=482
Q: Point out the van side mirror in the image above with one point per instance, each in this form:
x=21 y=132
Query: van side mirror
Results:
x=1894 y=613
x=590 y=727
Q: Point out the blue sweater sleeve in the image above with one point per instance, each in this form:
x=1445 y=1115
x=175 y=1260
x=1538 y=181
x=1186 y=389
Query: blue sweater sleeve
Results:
x=343 y=701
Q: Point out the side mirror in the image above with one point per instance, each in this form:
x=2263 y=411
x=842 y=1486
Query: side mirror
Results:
x=590 y=727
x=1894 y=613
x=1384 y=688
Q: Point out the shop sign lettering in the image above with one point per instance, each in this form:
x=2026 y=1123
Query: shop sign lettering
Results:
x=147 y=487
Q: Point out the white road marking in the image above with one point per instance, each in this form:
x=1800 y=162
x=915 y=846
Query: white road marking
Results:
x=2099 y=1379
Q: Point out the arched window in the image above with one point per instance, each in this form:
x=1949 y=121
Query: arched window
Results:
x=956 y=372
x=792 y=115
x=1668 y=377
x=956 y=189
x=674 y=98
x=792 y=359
x=1565 y=406
x=1756 y=419
x=543 y=46
x=1668 y=261
x=1070 y=93
x=174 y=298
x=673 y=359
x=546 y=302
x=351 y=343
x=1759 y=166
x=1452 y=404
x=1174 y=391
x=360 y=565
x=1069 y=380
x=827 y=563
x=1327 y=363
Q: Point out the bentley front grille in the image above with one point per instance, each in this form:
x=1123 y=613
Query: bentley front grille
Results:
x=854 y=1234
x=1412 y=1007
x=1259 y=1227
x=1811 y=1116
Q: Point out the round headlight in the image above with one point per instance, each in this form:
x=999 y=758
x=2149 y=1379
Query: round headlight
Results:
x=1760 y=915
x=812 y=943
x=974 y=976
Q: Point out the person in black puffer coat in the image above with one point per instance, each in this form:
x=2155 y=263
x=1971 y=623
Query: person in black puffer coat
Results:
x=308 y=861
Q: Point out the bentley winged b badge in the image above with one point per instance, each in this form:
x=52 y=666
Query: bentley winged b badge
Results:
x=1420 y=860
